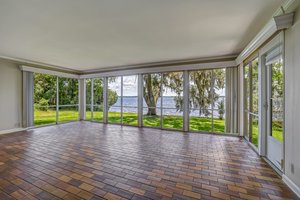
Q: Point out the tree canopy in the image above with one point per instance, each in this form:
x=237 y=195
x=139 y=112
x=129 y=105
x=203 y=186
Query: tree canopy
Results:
x=45 y=91
x=203 y=93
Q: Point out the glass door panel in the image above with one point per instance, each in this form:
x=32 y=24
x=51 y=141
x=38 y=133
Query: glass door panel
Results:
x=88 y=108
x=114 y=100
x=276 y=101
x=218 y=103
x=201 y=100
x=251 y=99
x=68 y=99
x=172 y=100
x=44 y=99
x=98 y=100
x=152 y=85
x=130 y=100
x=275 y=113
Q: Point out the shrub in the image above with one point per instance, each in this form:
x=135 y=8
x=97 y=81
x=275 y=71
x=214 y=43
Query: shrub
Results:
x=221 y=108
x=44 y=103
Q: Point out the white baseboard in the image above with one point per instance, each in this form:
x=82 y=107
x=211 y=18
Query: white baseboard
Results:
x=12 y=130
x=291 y=185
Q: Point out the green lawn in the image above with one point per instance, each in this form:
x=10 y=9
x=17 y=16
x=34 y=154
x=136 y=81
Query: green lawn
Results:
x=170 y=122
x=276 y=132
x=49 y=117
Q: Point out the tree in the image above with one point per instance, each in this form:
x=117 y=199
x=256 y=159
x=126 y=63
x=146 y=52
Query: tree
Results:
x=152 y=91
x=204 y=85
x=277 y=79
x=203 y=89
x=68 y=91
x=221 y=108
x=112 y=97
x=44 y=88
x=45 y=91
x=98 y=94
x=153 y=85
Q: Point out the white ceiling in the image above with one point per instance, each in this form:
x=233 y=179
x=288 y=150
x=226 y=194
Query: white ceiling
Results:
x=95 y=34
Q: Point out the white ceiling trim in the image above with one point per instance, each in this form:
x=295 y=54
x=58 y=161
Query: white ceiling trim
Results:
x=46 y=71
x=164 y=63
x=259 y=39
x=38 y=64
x=208 y=65
x=267 y=31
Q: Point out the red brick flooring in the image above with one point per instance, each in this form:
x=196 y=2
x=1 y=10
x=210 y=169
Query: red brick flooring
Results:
x=86 y=160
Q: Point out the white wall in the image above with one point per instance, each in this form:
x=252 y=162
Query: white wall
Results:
x=10 y=95
x=292 y=101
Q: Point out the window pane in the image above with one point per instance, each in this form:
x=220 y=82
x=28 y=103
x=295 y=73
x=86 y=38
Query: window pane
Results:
x=68 y=99
x=218 y=91
x=246 y=100
x=251 y=101
x=98 y=100
x=277 y=100
x=172 y=101
x=201 y=100
x=254 y=130
x=247 y=87
x=114 y=99
x=44 y=99
x=130 y=100
x=254 y=89
x=152 y=101
x=88 y=114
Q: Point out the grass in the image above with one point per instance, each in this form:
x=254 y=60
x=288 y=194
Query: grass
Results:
x=169 y=122
x=49 y=117
x=276 y=132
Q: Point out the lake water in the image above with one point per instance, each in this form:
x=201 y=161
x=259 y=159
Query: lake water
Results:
x=130 y=104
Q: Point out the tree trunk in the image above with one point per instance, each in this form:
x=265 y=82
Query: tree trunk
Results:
x=151 y=111
x=150 y=95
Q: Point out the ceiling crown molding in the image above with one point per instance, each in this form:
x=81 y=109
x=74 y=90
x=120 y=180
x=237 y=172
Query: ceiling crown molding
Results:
x=278 y=22
x=40 y=65
x=169 y=63
x=47 y=71
x=161 y=69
